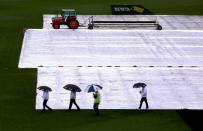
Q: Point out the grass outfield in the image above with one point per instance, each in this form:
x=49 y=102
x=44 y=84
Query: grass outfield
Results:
x=18 y=86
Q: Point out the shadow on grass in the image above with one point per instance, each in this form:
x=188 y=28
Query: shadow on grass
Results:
x=193 y=118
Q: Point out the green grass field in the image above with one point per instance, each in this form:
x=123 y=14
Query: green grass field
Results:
x=18 y=86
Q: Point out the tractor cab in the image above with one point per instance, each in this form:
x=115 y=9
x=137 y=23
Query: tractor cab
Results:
x=68 y=17
x=68 y=12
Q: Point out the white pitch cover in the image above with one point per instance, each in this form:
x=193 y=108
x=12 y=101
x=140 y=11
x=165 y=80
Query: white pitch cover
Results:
x=111 y=47
x=168 y=88
x=175 y=53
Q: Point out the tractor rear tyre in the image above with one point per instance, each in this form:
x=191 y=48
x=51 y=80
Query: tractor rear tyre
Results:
x=159 y=27
x=73 y=24
x=90 y=26
x=56 y=26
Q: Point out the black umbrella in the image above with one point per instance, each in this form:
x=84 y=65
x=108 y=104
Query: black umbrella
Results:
x=72 y=87
x=138 y=85
x=44 y=88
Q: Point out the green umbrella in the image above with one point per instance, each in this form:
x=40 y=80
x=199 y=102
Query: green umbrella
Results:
x=93 y=88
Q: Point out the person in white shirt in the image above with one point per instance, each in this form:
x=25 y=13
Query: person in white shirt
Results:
x=143 y=93
x=46 y=98
x=72 y=101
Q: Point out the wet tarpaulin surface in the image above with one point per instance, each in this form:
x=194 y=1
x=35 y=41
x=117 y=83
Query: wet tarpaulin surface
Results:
x=111 y=48
x=168 y=88
x=168 y=22
x=168 y=61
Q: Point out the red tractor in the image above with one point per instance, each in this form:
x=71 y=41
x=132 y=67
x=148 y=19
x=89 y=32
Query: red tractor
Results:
x=68 y=18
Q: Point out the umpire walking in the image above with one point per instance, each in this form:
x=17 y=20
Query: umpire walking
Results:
x=143 y=93
x=46 y=98
x=72 y=101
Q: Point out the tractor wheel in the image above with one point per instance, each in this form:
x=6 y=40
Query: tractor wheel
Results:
x=159 y=27
x=90 y=26
x=73 y=24
x=56 y=26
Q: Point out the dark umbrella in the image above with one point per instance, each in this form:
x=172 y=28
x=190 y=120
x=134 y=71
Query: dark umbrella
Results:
x=44 y=88
x=138 y=85
x=72 y=87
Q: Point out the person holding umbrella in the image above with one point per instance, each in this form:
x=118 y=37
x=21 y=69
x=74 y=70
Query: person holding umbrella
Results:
x=143 y=93
x=96 y=95
x=73 y=89
x=72 y=100
x=45 y=96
